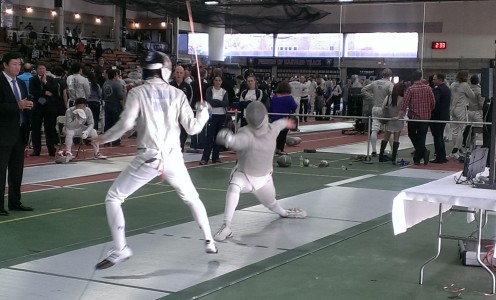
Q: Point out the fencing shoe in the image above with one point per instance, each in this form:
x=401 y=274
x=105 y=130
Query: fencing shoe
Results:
x=100 y=156
x=115 y=257
x=210 y=247
x=295 y=213
x=223 y=233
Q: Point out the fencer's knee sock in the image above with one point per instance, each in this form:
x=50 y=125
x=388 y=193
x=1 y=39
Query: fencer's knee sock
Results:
x=232 y=200
x=200 y=215
x=116 y=222
x=96 y=148
x=373 y=141
x=267 y=196
x=278 y=209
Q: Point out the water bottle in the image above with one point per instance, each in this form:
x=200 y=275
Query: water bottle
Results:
x=301 y=161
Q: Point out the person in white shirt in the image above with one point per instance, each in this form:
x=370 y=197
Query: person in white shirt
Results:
x=77 y=85
x=304 y=98
x=249 y=95
x=157 y=109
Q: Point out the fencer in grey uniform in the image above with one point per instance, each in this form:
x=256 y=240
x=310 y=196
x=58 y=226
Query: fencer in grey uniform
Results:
x=254 y=145
x=157 y=109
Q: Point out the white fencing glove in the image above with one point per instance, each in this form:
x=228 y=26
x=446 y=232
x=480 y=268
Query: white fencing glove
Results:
x=84 y=135
x=204 y=111
x=224 y=137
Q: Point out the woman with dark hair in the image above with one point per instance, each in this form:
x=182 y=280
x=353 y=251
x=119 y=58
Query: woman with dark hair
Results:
x=282 y=103
x=95 y=98
x=393 y=101
x=217 y=97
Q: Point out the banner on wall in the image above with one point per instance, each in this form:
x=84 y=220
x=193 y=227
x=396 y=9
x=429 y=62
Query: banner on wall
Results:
x=313 y=63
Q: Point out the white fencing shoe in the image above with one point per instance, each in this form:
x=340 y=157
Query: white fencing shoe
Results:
x=115 y=257
x=223 y=233
x=210 y=247
x=100 y=156
x=295 y=213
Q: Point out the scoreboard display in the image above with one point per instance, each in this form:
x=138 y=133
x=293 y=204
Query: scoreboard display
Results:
x=439 y=45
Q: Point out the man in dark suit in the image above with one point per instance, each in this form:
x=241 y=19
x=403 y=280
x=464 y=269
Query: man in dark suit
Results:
x=441 y=112
x=43 y=88
x=13 y=104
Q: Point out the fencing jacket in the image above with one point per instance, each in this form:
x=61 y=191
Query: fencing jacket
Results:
x=157 y=109
x=255 y=147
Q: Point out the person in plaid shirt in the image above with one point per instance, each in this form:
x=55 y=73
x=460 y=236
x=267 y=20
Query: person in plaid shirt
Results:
x=419 y=100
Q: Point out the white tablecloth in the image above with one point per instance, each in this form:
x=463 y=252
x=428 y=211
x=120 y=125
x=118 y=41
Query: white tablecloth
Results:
x=419 y=203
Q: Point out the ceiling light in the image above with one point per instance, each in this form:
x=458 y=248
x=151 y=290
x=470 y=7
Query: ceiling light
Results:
x=54 y=13
x=163 y=24
x=77 y=16
x=29 y=9
x=9 y=11
x=211 y=2
x=98 y=20
x=345 y=0
x=136 y=25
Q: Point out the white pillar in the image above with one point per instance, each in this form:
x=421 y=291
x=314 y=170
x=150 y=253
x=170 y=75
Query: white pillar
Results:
x=216 y=43
x=116 y=28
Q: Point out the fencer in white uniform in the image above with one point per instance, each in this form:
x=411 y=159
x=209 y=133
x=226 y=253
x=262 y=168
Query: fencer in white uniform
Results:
x=254 y=145
x=79 y=122
x=157 y=109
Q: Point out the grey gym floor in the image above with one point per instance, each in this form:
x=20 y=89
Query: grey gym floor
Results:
x=344 y=249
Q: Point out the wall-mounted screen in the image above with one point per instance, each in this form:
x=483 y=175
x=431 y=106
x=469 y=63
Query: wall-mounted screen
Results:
x=248 y=44
x=182 y=43
x=381 y=44
x=198 y=41
x=309 y=45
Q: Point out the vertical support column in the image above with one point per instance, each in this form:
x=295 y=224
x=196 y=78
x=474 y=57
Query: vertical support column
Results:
x=59 y=21
x=119 y=27
x=123 y=24
x=216 y=43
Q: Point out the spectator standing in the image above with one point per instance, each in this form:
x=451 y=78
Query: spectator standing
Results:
x=13 y=104
x=95 y=99
x=113 y=97
x=68 y=37
x=474 y=113
x=304 y=99
x=217 y=97
x=43 y=88
x=375 y=92
x=179 y=83
x=346 y=93
x=78 y=86
x=393 y=127
x=419 y=102
x=460 y=98
x=61 y=95
x=441 y=112
x=282 y=103
x=26 y=75
x=79 y=50
x=252 y=93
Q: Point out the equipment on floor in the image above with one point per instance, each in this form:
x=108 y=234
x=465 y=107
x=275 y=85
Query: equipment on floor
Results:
x=293 y=140
x=284 y=161
x=473 y=164
x=63 y=157
x=468 y=252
